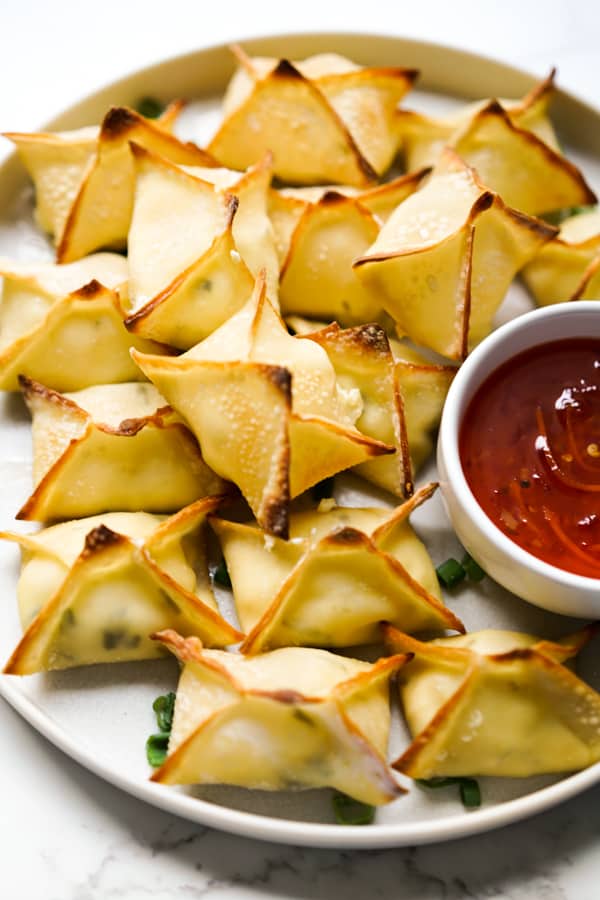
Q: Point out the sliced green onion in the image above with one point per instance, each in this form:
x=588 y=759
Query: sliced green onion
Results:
x=164 y=706
x=156 y=748
x=221 y=575
x=149 y=107
x=473 y=569
x=349 y=811
x=157 y=744
x=470 y=794
x=450 y=572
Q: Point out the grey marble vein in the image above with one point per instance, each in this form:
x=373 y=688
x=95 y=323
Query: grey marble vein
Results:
x=159 y=855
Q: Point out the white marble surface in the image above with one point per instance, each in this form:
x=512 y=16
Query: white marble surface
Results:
x=64 y=834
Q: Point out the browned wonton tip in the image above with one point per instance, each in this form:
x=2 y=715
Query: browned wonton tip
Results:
x=494 y=108
x=99 y=539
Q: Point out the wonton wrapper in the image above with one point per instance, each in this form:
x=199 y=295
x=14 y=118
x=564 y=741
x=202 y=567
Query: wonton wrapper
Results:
x=325 y=119
x=319 y=234
x=58 y=161
x=93 y=590
x=100 y=213
x=266 y=409
x=568 y=267
x=445 y=259
x=496 y=703
x=194 y=245
x=111 y=447
x=291 y=719
x=342 y=572
x=422 y=387
x=252 y=229
x=527 y=173
x=422 y=138
x=363 y=361
x=63 y=325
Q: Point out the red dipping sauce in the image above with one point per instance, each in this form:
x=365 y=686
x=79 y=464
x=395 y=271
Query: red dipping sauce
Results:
x=530 y=450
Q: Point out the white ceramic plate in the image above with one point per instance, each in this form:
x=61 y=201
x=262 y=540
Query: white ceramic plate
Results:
x=102 y=715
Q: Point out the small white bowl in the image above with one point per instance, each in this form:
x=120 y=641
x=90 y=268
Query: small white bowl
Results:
x=506 y=562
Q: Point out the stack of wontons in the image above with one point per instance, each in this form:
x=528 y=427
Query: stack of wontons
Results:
x=289 y=307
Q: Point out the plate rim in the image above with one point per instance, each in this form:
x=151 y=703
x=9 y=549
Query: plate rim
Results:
x=255 y=825
x=290 y=831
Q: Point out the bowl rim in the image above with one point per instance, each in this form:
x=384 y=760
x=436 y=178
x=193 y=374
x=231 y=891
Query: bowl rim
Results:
x=466 y=381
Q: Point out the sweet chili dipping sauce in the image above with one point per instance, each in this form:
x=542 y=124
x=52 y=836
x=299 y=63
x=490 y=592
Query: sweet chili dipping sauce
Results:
x=530 y=450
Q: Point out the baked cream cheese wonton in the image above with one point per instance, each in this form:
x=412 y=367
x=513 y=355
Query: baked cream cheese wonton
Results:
x=51 y=315
x=496 y=703
x=197 y=238
x=446 y=257
x=419 y=388
x=568 y=267
x=325 y=119
x=293 y=718
x=58 y=161
x=266 y=408
x=111 y=447
x=93 y=590
x=343 y=571
x=423 y=137
x=319 y=233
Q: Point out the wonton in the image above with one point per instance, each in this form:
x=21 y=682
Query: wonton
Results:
x=319 y=234
x=363 y=361
x=111 y=447
x=95 y=589
x=568 y=267
x=100 y=214
x=421 y=385
x=197 y=236
x=342 y=572
x=527 y=173
x=57 y=163
x=63 y=325
x=291 y=719
x=325 y=119
x=422 y=137
x=496 y=703
x=266 y=408
x=444 y=260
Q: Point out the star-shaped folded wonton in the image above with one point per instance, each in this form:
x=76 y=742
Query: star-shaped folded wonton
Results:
x=496 y=703
x=445 y=258
x=266 y=409
x=528 y=174
x=568 y=267
x=325 y=119
x=291 y=719
x=111 y=447
x=100 y=213
x=422 y=138
x=58 y=161
x=342 y=572
x=197 y=236
x=420 y=384
x=363 y=362
x=63 y=325
x=95 y=589
x=319 y=232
